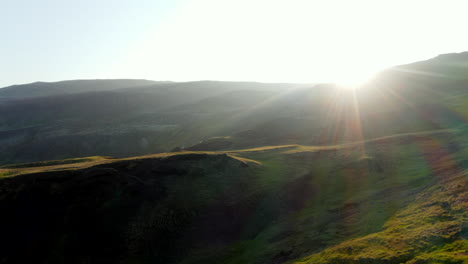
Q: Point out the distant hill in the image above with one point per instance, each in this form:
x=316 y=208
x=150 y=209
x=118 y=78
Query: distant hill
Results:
x=124 y=118
x=39 y=89
x=446 y=66
x=117 y=120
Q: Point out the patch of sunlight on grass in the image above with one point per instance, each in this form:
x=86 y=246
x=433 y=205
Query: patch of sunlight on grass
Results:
x=418 y=234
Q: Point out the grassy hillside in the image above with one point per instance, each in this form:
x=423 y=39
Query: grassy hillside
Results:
x=123 y=118
x=432 y=229
x=398 y=199
x=243 y=172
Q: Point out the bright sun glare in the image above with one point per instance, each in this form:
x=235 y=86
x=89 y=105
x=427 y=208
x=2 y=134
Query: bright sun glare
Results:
x=283 y=41
x=352 y=79
x=304 y=41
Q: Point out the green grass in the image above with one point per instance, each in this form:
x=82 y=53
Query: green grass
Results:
x=391 y=200
x=432 y=229
x=6 y=173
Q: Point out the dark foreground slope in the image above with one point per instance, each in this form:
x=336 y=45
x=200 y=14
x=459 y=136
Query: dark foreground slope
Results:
x=142 y=210
x=398 y=199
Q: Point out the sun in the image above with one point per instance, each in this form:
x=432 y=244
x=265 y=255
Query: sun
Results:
x=353 y=79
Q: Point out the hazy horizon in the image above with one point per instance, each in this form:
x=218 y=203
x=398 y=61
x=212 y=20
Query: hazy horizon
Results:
x=263 y=41
x=208 y=80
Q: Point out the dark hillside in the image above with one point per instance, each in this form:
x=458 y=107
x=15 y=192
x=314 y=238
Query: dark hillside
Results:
x=41 y=89
x=397 y=199
x=109 y=118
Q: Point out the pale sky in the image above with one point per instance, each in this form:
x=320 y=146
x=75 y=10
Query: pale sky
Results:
x=229 y=40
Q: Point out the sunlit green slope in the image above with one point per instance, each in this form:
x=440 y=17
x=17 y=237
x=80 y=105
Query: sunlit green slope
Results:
x=398 y=199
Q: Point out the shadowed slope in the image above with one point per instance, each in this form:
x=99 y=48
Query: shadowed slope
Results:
x=261 y=205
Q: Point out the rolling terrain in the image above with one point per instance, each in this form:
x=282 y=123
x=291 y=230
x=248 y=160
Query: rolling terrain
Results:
x=136 y=171
x=124 y=118
x=398 y=199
